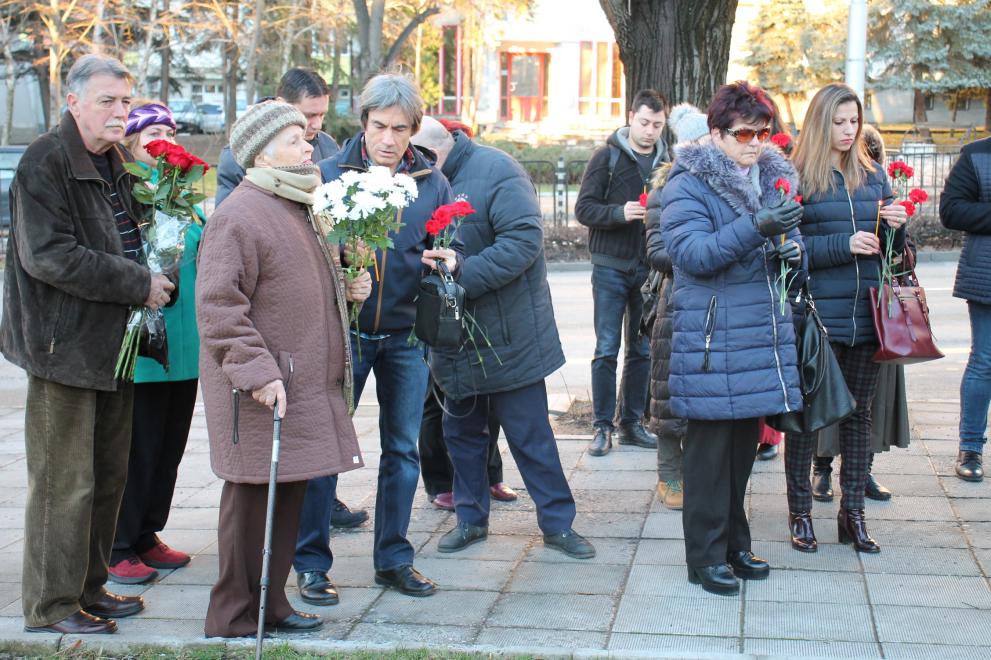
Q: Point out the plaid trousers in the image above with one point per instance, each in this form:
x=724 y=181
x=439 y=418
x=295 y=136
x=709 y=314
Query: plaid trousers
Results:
x=860 y=373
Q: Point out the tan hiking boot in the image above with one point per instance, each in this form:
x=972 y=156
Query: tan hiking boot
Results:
x=670 y=494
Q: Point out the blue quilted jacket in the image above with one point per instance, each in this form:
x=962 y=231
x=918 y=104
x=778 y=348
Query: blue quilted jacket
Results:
x=966 y=205
x=733 y=351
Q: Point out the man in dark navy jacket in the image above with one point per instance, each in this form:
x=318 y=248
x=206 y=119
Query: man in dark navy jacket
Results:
x=966 y=206
x=505 y=282
x=391 y=111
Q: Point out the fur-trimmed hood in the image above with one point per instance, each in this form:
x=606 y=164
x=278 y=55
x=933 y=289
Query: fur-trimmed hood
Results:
x=712 y=166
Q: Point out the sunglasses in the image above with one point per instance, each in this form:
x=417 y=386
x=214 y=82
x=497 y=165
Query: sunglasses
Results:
x=745 y=135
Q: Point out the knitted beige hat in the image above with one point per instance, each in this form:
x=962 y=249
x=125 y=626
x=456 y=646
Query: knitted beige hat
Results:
x=258 y=126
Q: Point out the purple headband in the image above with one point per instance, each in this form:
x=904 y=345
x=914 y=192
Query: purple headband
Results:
x=147 y=115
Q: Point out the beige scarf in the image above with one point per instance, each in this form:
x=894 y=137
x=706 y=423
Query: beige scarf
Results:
x=295 y=183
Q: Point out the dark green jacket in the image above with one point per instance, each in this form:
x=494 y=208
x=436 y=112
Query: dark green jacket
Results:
x=67 y=285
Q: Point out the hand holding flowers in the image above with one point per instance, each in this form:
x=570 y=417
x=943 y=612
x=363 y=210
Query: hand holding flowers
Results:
x=788 y=251
x=895 y=216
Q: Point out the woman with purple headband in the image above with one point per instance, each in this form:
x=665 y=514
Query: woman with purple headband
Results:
x=163 y=401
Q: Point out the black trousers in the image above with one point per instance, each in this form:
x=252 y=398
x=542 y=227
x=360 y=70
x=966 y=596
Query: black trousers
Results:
x=160 y=427
x=860 y=373
x=716 y=465
x=435 y=463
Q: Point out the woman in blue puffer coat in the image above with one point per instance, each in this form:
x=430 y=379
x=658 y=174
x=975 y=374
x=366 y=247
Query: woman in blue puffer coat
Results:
x=733 y=359
x=848 y=208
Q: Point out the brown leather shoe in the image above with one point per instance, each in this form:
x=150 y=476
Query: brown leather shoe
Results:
x=79 y=623
x=112 y=606
x=502 y=492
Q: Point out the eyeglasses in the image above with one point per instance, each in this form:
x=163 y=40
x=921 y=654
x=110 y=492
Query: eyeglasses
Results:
x=745 y=135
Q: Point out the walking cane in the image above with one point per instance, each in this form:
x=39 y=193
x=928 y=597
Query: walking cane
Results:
x=269 y=516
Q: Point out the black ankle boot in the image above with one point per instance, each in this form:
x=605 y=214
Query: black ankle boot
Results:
x=852 y=528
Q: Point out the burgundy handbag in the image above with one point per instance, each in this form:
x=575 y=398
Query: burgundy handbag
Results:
x=901 y=322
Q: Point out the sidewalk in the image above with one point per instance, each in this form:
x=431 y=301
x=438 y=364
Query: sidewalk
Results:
x=925 y=596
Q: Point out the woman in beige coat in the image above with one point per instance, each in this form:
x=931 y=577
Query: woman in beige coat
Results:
x=271 y=309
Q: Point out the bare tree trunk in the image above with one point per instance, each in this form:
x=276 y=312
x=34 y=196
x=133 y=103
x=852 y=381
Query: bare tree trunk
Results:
x=919 y=109
x=680 y=49
x=376 y=19
x=360 y=64
x=251 y=68
x=10 y=82
x=54 y=86
x=791 y=113
x=285 y=57
x=231 y=57
x=98 y=28
x=335 y=77
x=166 y=58
x=150 y=28
x=419 y=53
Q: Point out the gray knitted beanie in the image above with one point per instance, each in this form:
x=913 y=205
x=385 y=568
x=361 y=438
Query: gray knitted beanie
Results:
x=258 y=126
x=688 y=123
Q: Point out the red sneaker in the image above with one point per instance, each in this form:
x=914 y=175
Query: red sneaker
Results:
x=162 y=556
x=131 y=571
x=444 y=501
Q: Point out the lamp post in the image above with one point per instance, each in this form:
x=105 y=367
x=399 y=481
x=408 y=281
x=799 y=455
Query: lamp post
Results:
x=856 y=46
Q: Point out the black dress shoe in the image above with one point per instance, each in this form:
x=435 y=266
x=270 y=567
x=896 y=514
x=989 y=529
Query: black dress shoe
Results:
x=852 y=528
x=316 y=588
x=876 y=491
x=822 y=489
x=636 y=434
x=297 y=622
x=766 y=452
x=803 y=538
x=461 y=537
x=969 y=466
x=601 y=441
x=570 y=543
x=406 y=580
x=112 y=606
x=79 y=623
x=748 y=566
x=716 y=579
x=344 y=518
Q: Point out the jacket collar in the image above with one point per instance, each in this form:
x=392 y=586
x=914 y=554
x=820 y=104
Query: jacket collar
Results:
x=80 y=164
x=621 y=140
x=463 y=146
x=712 y=166
x=353 y=160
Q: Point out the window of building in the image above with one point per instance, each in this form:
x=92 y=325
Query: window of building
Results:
x=450 y=70
x=523 y=86
x=600 y=84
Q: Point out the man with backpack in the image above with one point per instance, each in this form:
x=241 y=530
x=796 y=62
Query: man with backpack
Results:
x=611 y=204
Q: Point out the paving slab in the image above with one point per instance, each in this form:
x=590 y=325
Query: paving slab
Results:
x=931 y=625
x=831 y=557
x=819 y=622
x=930 y=651
x=446 y=607
x=541 y=637
x=704 y=614
x=559 y=612
x=683 y=643
x=786 y=586
x=543 y=577
x=408 y=633
x=922 y=561
x=930 y=591
x=795 y=648
x=608 y=551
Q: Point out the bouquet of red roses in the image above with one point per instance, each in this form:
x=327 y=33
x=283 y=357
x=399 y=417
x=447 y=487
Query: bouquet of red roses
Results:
x=167 y=189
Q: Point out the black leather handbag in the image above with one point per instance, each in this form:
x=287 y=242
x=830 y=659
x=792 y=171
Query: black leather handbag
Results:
x=440 y=310
x=825 y=395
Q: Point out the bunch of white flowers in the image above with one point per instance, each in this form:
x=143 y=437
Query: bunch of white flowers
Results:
x=357 y=195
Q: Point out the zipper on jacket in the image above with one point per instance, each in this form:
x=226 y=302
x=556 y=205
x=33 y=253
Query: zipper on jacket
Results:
x=774 y=329
x=856 y=265
x=710 y=324
x=58 y=317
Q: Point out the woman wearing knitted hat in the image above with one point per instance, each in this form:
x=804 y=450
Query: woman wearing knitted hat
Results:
x=272 y=311
x=163 y=400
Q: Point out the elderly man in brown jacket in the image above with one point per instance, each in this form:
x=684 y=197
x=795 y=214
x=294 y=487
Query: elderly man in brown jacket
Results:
x=74 y=267
x=271 y=308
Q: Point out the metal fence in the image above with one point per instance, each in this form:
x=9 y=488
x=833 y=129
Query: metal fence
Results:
x=557 y=183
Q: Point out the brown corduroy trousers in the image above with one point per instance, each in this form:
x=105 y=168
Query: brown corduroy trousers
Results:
x=77 y=442
x=233 y=609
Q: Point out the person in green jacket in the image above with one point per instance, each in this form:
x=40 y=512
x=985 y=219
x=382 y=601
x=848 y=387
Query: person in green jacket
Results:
x=163 y=400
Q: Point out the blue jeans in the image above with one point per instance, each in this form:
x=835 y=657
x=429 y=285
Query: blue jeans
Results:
x=618 y=308
x=975 y=387
x=401 y=385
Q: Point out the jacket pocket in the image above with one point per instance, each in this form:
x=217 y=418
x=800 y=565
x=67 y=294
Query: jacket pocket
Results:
x=287 y=366
x=710 y=326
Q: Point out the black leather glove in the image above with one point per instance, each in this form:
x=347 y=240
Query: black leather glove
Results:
x=779 y=218
x=790 y=253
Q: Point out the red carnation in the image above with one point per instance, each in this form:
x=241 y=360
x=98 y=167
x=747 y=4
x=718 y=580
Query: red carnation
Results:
x=900 y=169
x=918 y=196
x=909 y=207
x=798 y=198
x=783 y=185
x=643 y=199
x=156 y=148
x=461 y=208
x=781 y=139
